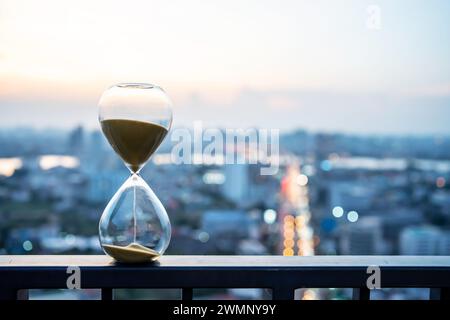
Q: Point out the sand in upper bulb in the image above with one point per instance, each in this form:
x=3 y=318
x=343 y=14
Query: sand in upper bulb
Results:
x=134 y=141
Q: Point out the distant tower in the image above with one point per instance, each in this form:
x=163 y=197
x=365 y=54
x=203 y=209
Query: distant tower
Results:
x=362 y=238
x=424 y=240
x=96 y=141
x=444 y=244
x=75 y=143
x=236 y=183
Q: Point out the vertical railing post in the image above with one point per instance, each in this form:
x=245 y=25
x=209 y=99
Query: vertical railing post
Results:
x=8 y=294
x=440 y=294
x=362 y=293
x=23 y=294
x=187 y=294
x=107 y=294
x=283 y=293
x=13 y=294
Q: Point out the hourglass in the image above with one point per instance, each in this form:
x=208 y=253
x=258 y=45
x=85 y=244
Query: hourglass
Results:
x=135 y=118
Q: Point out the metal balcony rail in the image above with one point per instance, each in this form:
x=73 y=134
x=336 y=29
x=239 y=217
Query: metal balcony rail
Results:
x=280 y=274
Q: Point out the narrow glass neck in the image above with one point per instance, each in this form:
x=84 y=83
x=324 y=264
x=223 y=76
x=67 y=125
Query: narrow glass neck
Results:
x=135 y=175
x=134 y=169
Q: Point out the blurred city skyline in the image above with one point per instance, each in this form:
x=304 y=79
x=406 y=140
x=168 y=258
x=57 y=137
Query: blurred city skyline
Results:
x=295 y=64
x=360 y=90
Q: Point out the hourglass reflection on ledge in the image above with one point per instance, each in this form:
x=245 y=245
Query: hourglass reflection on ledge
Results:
x=135 y=118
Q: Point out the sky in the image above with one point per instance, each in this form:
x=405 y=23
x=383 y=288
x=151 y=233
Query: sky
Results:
x=319 y=65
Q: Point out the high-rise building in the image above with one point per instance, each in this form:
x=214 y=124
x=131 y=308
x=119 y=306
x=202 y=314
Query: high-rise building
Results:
x=235 y=187
x=420 y=240
x=444 y=243
x=362 y=238
x=76 y=141
x=226 y=228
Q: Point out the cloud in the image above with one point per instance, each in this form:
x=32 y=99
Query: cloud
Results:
x=319 y=110
x=440 y=90
x=328 y=111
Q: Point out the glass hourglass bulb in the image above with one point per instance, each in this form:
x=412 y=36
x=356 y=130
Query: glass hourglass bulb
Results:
x=135 y=118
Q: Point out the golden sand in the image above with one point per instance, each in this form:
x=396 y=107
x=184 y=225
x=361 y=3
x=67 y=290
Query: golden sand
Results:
x=134 y=141
x=132 y=253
